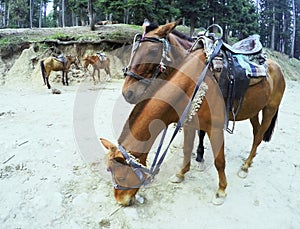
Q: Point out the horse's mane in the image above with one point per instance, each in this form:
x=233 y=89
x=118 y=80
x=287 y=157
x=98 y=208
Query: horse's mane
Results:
x=182 y=35
x=151 y=27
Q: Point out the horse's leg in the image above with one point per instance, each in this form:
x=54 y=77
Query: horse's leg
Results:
x=259 y=130
x=66 y=78
x=47 y=74
x=200 y=149
x=107 y=70
x=99 y=75
x=189 y=136
x=93 y=75
x=216 y=138
x=63 y=78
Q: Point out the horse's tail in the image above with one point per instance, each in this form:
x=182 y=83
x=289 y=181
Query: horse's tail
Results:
x=43 y=71
x=270 y=130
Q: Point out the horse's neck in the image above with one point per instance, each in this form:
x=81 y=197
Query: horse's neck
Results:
x=142 y=126
x=179 y=50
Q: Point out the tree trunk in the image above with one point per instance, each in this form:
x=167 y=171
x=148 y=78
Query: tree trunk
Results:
x=90 y=9
x=192 y=28
x=273 y=29
x=30 y=12
x=41 y=14
x=63 y=13
x=294 y=30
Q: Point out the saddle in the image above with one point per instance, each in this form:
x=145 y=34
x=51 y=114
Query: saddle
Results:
x=102 y=56
x=61 y=58
x=236 y=68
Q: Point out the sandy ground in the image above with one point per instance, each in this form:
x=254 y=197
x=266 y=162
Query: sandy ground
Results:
x=52 y=173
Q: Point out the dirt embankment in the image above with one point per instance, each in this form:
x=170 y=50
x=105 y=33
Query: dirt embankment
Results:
x=22 y=49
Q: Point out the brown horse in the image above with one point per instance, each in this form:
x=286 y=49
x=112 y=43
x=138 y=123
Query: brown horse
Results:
x=102 y=62
x=168 y=48
x=167 y=105
x=135 y=87
x=53 y=64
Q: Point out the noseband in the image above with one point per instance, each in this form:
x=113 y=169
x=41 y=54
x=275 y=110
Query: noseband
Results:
x=142 y=173
x=160 y=68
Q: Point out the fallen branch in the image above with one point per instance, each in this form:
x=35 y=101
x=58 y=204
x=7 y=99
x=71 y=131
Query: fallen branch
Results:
x=8 y=159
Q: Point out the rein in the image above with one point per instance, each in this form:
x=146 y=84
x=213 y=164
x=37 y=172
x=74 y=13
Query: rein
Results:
x=160 y=68
x=143 y=173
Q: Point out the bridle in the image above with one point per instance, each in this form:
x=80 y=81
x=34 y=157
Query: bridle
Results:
x=138 y=39
x=142 y=173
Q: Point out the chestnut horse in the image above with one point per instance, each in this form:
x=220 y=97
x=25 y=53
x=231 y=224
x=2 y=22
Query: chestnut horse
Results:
x=53 y=64
x=135 y=88
x=98 y=63
x=167 y=105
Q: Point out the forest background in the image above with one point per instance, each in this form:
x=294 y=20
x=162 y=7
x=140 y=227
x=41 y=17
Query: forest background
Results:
x=277 y=21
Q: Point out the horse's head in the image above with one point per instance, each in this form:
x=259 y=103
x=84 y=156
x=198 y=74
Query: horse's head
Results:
x=126 y=177
x=156 y=51
x=86 y=62
x=74 y=60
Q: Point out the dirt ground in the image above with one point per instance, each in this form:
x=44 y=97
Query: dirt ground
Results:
x=52 y=173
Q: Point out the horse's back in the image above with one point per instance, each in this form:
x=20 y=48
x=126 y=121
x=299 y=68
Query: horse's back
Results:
x=52 y=63
x=277 y=81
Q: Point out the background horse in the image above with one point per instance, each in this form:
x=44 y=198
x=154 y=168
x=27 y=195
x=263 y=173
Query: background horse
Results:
x=53 y=64
x=98 y=63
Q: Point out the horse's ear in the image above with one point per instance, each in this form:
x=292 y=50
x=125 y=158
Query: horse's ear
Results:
x=108 y=145
x=167 y=28
x=114 y=153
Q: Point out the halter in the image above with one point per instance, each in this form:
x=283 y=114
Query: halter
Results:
x=160 y=68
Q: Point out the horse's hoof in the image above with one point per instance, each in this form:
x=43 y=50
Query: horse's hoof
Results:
x=139 y=199
x=243 y=173
x=201 y=166
x=177 y=178
x=219 y=198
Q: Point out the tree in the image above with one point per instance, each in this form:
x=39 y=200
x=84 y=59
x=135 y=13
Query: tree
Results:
x=294 y=29
x=90 y=9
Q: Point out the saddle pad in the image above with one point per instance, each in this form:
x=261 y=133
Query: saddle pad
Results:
x=102 y=56
x=252 y=69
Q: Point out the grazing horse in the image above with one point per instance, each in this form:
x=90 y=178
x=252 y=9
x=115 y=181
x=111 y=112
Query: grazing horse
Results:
x=102 y=62
x=167 y=105
x=54 y=64
x=149 y=117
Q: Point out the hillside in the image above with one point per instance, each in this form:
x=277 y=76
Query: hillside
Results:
x=114 y=39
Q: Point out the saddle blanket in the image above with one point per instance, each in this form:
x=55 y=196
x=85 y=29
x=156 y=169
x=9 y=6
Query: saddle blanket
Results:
x=252 y=69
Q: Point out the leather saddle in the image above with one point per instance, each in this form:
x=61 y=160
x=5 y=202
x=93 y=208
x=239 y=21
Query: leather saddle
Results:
x=248 y=46
x=102 y=56
x=61 y=58
x=233 y=78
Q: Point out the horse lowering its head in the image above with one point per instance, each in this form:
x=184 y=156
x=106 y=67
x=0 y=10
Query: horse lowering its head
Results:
x=149 y=117
x=58 y=64
x=98 y=62
x=155 y=54
x=127 y=162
